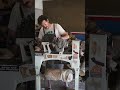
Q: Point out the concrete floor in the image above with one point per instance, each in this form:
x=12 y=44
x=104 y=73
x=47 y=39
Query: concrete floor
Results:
x=59 y=85
x=56 y=85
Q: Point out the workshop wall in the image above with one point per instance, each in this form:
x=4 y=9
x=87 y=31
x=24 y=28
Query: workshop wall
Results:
x=69 y=13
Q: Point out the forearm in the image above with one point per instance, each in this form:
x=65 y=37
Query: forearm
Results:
x=65 y=36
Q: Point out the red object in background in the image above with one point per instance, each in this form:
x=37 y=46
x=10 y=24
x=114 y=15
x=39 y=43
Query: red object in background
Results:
x=82 y=33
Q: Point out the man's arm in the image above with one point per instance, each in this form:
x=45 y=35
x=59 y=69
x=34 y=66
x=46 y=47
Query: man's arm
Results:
x=62 y=32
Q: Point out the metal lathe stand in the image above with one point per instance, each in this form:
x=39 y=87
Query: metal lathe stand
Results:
x=73 y=59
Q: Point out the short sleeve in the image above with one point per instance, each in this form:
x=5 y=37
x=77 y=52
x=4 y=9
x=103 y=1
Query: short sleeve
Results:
x=60 y=29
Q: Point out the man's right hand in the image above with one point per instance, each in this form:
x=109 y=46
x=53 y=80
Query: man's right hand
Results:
x=37 y=49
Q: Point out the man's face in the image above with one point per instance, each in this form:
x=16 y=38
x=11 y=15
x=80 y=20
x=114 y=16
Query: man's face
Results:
x=45 y=24
x=28 y=3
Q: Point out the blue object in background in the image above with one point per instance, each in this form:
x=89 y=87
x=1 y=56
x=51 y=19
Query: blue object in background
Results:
x=109 y=26
x=80 y=37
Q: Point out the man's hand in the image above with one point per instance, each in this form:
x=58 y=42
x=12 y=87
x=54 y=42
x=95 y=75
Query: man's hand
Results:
x=37 y=49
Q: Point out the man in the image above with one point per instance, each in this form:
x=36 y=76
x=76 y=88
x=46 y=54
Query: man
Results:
x=47 y=33
x=48 y=28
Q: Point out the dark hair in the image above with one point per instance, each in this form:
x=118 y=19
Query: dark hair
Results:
x=41 y=18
